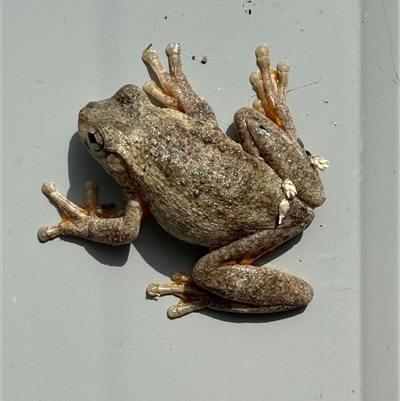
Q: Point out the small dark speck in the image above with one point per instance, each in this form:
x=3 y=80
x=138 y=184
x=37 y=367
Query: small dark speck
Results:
x=203 y=60
x=165 y=17
x=325 y=101
x=247 y=10
x=300 y=260
x=320 y=225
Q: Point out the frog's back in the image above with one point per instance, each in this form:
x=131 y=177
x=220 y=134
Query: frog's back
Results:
x=202 y=187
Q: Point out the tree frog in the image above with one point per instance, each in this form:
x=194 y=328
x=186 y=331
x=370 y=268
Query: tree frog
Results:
x=238 y=199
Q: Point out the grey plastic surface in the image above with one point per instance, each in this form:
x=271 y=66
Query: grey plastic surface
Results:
x=76 y=321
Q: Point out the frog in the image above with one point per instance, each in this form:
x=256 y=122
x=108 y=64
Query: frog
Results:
x=238 y=199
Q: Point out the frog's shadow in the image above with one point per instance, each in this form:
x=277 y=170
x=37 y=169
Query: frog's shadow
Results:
x=170 y=254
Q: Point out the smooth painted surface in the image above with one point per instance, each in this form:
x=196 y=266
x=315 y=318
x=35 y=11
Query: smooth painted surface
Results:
x=76 y=321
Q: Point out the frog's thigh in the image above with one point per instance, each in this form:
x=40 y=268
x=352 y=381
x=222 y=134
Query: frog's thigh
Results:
x=247 y=284
x=287 y=157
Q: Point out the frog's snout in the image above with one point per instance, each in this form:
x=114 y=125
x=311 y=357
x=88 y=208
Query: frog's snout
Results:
x=82 y=117
x=85 y=117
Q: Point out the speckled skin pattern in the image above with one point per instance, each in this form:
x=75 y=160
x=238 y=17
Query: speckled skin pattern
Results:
x=240 y=200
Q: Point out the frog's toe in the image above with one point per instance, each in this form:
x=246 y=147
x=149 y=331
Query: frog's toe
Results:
x=173 y=312
x=282 y=68
x=289 y=189
x=149 y=54
x=44 y=234
x=172 y=49
x=183 y=308
x=49 y=188
x=263 y=57
x=151 y=88
x=319 y=162
x=152 y=290
x=47 y=233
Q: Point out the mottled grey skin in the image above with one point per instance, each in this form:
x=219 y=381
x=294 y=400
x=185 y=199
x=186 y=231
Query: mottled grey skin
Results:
x=201 y=187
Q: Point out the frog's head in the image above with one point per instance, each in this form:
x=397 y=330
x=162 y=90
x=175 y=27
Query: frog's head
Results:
x=107 y=127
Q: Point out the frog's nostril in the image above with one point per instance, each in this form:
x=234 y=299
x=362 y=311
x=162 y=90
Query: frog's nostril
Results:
x=82 y=116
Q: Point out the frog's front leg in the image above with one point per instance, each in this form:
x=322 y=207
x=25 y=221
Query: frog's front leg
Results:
x=225 y=279
x=92 y=221
x=268 y=131
x=176 y=91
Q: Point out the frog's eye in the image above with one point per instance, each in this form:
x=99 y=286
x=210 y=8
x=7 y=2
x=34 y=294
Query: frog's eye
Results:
x=95 y=139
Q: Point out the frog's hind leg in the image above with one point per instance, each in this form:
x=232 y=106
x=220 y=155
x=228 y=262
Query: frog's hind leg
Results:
x=225 y=279
x=176 y=91
x=271 y=86
x=194 y=298
x=268 y=131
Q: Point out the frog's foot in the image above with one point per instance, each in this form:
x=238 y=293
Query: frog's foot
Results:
x=176 y=91
x=225 y=280
x=271 y=85
x=194 y=298
x=92 y=221
x=319 y=162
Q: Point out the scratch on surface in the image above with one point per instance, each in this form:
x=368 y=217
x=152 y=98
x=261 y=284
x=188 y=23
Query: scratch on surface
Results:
x=304 y=86
x=133 y=8
x=397 y=79
x=279 y=4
